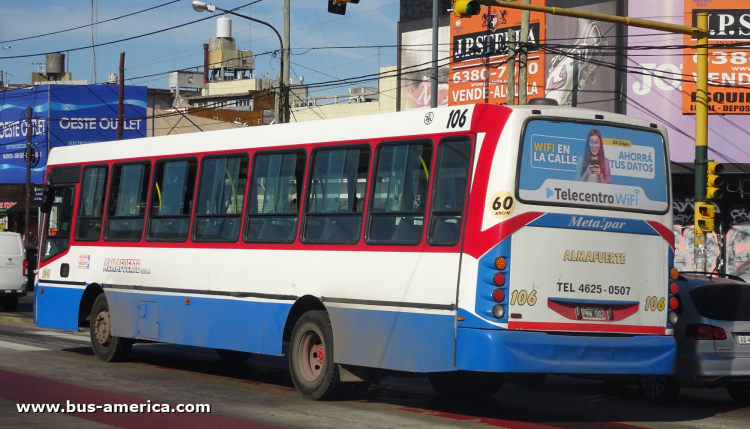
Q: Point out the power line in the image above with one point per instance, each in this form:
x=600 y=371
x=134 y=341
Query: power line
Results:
x=88 y=25
x=130 y=38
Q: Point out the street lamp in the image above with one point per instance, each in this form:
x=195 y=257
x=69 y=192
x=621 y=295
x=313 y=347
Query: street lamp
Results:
x=200 y=6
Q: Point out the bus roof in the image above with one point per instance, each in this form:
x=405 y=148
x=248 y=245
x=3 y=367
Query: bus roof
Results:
x=380 y=126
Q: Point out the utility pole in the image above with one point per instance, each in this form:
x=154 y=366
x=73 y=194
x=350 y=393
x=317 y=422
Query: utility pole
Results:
x=94 y=41
x=285 y=69
x=522 y=66
x=701 y=143
x=511 y=96
x=434 y=68
x=29 y=132
x=121 y=100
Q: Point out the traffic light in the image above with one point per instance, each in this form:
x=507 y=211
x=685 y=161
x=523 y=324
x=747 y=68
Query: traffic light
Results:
x=339 y=6
x=704 y=217
x=465 y=8
x=713 y=180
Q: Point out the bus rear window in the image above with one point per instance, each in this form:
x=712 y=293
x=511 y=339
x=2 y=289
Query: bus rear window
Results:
x=593 y=165
x=722 y=302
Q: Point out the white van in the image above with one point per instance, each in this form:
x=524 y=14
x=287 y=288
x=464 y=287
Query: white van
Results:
x=13 y=270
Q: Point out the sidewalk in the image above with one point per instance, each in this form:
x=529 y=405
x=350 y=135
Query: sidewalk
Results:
x=24 y=315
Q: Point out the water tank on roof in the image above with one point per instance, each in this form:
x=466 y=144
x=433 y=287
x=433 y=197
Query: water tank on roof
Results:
x=223 y=27
x=55 y=63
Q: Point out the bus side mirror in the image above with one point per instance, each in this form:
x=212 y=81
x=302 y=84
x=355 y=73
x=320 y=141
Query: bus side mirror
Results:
x=48 y=198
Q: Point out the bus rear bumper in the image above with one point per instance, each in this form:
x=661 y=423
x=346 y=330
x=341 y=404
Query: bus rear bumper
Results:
x=528 y=351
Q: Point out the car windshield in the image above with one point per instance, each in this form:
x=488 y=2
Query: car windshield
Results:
x=723 y=302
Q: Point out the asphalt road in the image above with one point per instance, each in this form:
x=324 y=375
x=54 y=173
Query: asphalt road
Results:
x=39 y=366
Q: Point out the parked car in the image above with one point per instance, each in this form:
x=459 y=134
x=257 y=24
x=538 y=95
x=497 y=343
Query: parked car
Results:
x=713 y=339
x=13 y=270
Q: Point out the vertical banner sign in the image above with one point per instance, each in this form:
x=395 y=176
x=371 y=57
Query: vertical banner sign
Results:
x=479 y=63
x=729 y=57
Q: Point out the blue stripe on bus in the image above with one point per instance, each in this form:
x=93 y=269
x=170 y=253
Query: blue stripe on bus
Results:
x=401 y=341
x=249 y=326
x=396 y=340
x=526 y=351
x=57 y=307
x=594 y=223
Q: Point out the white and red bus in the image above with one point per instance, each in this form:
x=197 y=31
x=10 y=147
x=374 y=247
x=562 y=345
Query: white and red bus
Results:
x=463 y=242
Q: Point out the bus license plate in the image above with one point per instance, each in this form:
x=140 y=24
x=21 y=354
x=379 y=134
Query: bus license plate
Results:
x=593 y=314
x=743 y=339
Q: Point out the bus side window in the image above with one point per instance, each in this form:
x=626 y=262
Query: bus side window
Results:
x=172 y=200
x=336 y=195
x=59 y=222
x=276 y=185
x=91 y=211
x=221 y=191
x=449 y=193
x=127 y=202
x=400 y=193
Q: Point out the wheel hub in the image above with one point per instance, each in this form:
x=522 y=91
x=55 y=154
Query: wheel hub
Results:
x=311 y=356
x=101 y=327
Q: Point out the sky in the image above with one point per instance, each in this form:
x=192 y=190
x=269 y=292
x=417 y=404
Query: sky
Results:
x=148 y=59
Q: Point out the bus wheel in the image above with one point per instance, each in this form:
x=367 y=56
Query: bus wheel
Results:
x=233 y=356
x=465 y=385
x=311 y=357
x=106 y=346
x=658 y=389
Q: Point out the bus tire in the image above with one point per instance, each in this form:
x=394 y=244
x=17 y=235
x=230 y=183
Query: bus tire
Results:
x=10 y=303
x=658 y=389
x=233 y=356
x=465 y=385
x=311 y=357
x=106 y=346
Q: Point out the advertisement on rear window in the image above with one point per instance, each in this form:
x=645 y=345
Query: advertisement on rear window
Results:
x=593 y=165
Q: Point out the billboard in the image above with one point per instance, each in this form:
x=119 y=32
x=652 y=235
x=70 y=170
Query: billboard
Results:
x=655 y=83
x=581 y=57
x=63 y=115
x=415 y=61
x=479 y=63
x=593 y=165
x=728 y=64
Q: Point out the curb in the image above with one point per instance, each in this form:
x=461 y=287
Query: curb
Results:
x=17 y=320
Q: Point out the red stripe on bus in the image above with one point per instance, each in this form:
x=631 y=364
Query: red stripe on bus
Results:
x=485 y=240
x=26 y=389
x=586 y=327
x=665 y=232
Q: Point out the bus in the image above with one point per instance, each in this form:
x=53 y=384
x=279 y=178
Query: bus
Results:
x=465 y=243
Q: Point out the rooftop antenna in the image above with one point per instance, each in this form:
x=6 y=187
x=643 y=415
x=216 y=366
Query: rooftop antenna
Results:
x=41 y=68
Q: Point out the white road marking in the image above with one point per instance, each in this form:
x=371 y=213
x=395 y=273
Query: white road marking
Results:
x=75 y=337
x=20 y=347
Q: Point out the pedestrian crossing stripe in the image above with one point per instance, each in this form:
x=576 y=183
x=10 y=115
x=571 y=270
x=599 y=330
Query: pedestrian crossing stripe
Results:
x=20 y=347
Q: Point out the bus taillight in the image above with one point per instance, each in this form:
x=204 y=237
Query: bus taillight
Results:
x=498 y=279
x=498 y=295
x=501 y=263
x=674 y=288
x=674 y=303
x=674 y=274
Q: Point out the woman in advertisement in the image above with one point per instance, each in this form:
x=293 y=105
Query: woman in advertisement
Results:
x=593 y=166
